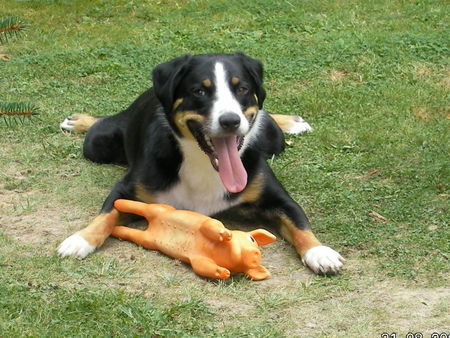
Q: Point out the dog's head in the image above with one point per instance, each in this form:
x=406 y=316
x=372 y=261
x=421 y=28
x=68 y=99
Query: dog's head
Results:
x=213 y=99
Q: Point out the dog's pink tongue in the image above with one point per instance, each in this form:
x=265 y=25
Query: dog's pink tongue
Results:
x=231 y=170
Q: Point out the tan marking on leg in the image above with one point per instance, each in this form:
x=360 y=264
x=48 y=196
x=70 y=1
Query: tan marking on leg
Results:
x=100 y=228
x=82 y=122
x=181 y=118
x=253 y=190
x=285 y=122
x=303 y=240
x=143 y=194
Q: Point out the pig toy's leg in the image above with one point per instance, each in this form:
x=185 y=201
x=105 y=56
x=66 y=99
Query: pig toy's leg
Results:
x=215 y=230
x=149 y=211
x=207 y=268
x=141 y=237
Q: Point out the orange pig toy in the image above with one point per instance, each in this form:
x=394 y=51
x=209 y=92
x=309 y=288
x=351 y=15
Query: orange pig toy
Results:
x=212 y=250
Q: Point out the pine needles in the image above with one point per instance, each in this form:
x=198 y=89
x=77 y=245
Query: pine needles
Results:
x=14 y=112
x=10 y=26
x=17 y=112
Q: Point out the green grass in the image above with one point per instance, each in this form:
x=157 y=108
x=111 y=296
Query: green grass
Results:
x=372 y=77
x=100 y=310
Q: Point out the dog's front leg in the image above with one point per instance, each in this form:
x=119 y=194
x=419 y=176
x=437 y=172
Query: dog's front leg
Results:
x=85 y=241
x=293 y=225
x=319 y=258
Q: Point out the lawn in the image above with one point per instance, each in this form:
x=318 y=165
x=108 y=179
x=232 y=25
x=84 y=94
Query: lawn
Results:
x=371 y=77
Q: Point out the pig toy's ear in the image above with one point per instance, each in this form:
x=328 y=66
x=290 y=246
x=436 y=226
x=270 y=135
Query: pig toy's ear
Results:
x=262 y=237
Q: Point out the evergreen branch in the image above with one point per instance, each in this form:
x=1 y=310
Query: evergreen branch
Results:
x=18 y=108
x=10 y=26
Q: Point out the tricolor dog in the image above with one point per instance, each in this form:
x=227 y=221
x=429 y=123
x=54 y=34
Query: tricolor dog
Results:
x=199 y=140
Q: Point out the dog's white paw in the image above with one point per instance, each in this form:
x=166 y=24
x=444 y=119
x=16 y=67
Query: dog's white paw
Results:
x=323 y=260
x=299 y=126
x=75 y=246
x=67 y=124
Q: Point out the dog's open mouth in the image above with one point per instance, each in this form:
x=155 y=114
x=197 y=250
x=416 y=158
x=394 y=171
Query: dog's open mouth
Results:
x=223 y=153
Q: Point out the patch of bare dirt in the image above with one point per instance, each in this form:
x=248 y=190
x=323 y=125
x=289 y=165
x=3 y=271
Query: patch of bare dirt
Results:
x=94 y=78
x=445 y=82
x=421 y=113
x=421 y=69
x=414 y=310
x=25 y=221
x=374 y=307
x=336 y=75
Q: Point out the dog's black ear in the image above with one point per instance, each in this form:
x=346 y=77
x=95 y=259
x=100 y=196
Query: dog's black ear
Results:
x=166 y=78
x=255 y=68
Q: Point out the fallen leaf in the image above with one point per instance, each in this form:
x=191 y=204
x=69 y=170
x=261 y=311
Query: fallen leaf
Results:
x=444 y=255
x=444 y=195
x=371 y=173
x=432 y=227
x=4 y=57
x=377 y=217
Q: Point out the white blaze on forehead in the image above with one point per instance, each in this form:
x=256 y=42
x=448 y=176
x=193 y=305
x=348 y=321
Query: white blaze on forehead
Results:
x=225 y=101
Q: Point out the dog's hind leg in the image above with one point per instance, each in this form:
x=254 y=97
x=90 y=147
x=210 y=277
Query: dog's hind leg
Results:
x=104 y=142
x=78 y=123
x=104 y=139
x=291 y=124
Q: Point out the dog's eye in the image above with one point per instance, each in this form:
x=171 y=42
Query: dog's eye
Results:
x=199 y=92
x=251 y=239
x=242 y=90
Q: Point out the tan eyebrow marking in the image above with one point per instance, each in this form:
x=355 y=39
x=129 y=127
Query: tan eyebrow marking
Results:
x=235 y=80
x=207 y=83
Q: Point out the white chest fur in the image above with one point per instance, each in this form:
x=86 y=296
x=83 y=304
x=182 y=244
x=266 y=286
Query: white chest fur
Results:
x=200 y=188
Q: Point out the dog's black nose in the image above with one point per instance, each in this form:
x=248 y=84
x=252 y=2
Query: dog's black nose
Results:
x=230 y=121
